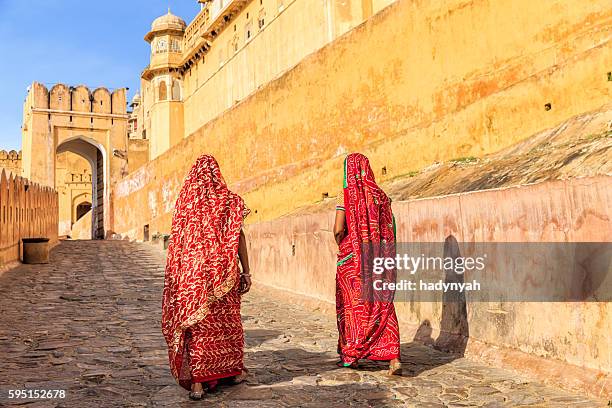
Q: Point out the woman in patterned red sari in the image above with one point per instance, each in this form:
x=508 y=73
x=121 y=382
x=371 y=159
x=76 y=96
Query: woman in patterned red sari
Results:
x=367 y=323
x=203 y=284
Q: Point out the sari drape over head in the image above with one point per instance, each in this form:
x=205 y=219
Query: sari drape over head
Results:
x=201 y=304
x=367 y=322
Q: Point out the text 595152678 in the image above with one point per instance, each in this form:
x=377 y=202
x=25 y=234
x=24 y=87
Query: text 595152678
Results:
x=36 y=394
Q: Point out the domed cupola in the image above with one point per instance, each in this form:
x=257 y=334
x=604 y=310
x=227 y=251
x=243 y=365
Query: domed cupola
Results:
x=166 y=24
x=135 y=100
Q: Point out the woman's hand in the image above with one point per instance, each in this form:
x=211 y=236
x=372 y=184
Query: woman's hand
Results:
x=245 y=276
x=339 y=226
x=245 y=283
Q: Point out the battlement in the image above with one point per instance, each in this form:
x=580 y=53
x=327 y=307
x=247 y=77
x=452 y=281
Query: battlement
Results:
x=10 y=161
x=11 y=155
x=80 y=98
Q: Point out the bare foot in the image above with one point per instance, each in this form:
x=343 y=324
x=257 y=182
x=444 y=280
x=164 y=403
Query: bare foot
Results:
x=241 y=377
x=395 y=367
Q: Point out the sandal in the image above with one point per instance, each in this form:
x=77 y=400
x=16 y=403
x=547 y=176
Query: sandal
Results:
x=196 y=395
x=395 y=368
x=342 y=364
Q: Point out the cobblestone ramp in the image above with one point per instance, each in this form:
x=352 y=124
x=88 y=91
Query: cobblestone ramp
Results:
x=89 y=323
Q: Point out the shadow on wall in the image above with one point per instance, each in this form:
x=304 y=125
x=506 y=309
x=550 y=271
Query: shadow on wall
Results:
x=454 y=328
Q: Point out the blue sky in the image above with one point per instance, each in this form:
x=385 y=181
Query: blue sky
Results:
x=96 y=43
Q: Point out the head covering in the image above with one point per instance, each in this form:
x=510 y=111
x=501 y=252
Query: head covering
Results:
x=202 y=260
x=369 y=217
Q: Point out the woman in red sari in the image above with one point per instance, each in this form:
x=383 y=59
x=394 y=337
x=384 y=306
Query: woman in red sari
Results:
x=203 y=284
x=367 y=324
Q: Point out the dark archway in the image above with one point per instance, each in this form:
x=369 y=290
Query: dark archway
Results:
x=82 y=209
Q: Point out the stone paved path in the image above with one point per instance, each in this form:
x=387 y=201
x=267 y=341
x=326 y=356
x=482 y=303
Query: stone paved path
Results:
x=88 y=323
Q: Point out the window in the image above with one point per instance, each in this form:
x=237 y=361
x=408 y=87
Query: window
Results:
x=162 y=45
x=163 y=91
x=248 y=31
x=175 y=45
x=176 y=90
x=261 y=21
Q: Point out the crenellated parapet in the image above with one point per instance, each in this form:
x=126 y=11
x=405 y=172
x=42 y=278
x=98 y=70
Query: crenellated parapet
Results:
x=79 y=99
x=11 y=161
x=11 y=155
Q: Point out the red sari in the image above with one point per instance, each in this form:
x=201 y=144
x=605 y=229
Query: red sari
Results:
x=367 y=324
x=201 y=303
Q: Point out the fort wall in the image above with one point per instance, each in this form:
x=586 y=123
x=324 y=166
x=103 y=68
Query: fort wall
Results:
x=418 y=83
x=27 y=210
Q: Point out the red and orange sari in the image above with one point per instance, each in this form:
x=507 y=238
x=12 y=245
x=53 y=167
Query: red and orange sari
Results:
x=201 y=301
x=367 y=323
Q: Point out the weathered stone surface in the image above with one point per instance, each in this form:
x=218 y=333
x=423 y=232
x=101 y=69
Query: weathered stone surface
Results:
x=106 y=353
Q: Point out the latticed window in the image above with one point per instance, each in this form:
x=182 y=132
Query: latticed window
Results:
x=175 y=45
x=162 y=45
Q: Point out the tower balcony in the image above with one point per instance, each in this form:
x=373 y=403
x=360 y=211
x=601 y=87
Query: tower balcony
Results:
x=166 y=60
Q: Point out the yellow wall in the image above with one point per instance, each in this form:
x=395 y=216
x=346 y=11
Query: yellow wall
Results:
x=166 y=126
x=227 y=75
x=416 y=84
x=224 y=76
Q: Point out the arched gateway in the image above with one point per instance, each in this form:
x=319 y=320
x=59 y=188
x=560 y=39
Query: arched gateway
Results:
x=75 y=121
